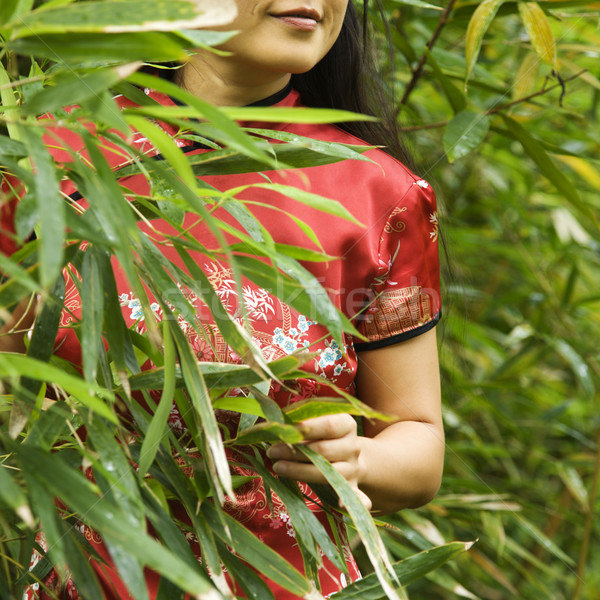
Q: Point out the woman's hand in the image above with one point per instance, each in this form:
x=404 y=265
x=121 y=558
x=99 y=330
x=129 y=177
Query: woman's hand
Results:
x=396 y=464
x=334 y=437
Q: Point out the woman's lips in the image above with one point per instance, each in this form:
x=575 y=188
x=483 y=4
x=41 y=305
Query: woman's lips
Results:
x=303 y=19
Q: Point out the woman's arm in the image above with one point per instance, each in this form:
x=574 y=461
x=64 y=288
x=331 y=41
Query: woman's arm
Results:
x=402 y=463
x=16 y=325
x=397 y=465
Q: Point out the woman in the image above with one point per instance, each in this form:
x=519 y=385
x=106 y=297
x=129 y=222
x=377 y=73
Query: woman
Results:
x=390 y=268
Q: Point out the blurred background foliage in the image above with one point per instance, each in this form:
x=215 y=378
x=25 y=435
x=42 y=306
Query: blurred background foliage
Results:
x=518 y=179
x=499 y=101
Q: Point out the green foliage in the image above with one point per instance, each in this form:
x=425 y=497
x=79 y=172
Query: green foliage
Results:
x=508 y=93
x=519 y=348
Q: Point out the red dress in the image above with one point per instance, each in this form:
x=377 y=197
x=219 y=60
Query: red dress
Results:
x=390 y=265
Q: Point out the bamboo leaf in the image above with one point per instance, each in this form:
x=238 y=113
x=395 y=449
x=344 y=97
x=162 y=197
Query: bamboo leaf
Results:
x=526 y=75
x=198 y=393
x=455 y=97
x=252 y=585
x=578 y=365
x=50 y=207
x=11 y=148
x=419 y=4
x=158 y=426
x=227 y=131
x=326 y=205
x=11 y=495
x=268 y=432
x=362 y=521
x=91 y=312
x=12 y=9
x=314 y=407
x=408 y=571
x=166 y=146
x=15 y=364
x=264 y=559
x=95 y=49
x=536 y=151
x=115 y=16
x=74 y=88
x=306 y=524
x=539 y=30
x=573 y=482
x=241 y=404
x=343 y=151
x=111 y=522
x=464 y=133
x=480 y=21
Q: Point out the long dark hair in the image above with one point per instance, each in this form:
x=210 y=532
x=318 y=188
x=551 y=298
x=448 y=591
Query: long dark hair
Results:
x=346 y=79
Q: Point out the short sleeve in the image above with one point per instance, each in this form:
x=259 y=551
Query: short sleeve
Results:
x=405 y=292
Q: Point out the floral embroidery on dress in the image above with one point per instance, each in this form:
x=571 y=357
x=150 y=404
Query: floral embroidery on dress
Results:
x=282 y=519
x=433 y=219
x=258 y=303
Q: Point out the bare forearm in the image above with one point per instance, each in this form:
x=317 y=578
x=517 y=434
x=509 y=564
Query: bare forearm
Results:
x=401 y=467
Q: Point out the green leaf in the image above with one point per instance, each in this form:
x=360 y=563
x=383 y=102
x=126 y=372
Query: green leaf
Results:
x=41 y=347
x=165 y=144
x=268 y=432
x=326 y=205
x=204 y=38
x=464 y=133
x=91 y=314
x=314 y=407
x=200 y=398
x=342 y=151
x=11 y=148
x=480 y=21
x=111 y=522
x=158 y=426
x=309 y=530
x=408 y=571
x=50 y=206
x=539 y=30
x=455 y=97
x=362 y=521
x=535 y=150
x=11 y=9
x=419 y=4
x=16 y=364
x=96 y=49
x=264 y=559
x=252 y=585
x=577 y=363
x=226 y=130
x=116 y=16
x=73 y=88
x=11 y=495
x=241 y=404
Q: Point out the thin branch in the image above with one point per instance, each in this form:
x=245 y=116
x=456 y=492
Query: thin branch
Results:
x=497 y=109
x=561 y=84
x=416 y=74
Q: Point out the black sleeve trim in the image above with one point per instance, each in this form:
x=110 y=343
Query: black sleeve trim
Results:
x=400 y=337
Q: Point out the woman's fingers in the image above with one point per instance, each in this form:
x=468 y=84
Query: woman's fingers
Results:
x=362 y=497
x=303 y=471
x=341 y=449
x=335 y=438
x=328 y=427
